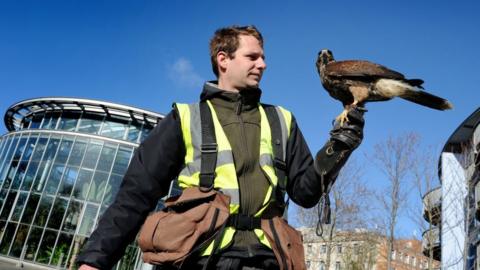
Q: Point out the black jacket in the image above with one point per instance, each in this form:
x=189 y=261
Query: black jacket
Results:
x=159 y=159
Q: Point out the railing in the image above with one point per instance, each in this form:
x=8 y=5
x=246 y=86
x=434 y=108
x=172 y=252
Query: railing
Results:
x=431 y=243
x=432 y=206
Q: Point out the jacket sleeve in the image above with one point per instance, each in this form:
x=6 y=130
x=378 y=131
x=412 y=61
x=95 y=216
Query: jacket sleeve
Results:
x=308 y=179
x=156 y=162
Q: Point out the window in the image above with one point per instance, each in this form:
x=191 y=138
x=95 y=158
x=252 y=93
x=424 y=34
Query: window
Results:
x=309 y=248
x=337 y=266
x=322 y=265
x=355 y=249
x=90 y=123
x=339 y=248
x=324 y=249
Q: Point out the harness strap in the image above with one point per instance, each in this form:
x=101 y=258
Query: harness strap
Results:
x=208 y=149
x=278 y=157
x=244 y=222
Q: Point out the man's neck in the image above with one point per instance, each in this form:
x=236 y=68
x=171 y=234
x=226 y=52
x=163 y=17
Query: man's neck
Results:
x=226 y=86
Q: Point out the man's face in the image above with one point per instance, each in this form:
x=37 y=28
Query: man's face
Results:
x=246 y=68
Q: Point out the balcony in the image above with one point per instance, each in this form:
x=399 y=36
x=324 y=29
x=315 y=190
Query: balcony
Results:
x=431 y=243
x=432 y=206
x=477 y=261
x=477 y=200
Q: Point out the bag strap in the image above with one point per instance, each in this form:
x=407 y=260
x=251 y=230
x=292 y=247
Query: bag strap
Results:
x=278 y=156
x=209 y=149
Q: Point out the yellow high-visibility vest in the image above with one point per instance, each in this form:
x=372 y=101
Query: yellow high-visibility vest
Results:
x=225 y=173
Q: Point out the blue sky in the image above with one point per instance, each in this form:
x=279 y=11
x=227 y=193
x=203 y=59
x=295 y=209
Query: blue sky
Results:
x=149 y=54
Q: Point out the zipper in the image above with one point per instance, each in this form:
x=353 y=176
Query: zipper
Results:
x=238 y=112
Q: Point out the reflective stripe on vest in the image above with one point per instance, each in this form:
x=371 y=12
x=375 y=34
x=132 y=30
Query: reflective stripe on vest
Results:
x=226 y=176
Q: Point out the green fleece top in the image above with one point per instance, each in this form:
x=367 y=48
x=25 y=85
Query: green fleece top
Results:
x=240 y=118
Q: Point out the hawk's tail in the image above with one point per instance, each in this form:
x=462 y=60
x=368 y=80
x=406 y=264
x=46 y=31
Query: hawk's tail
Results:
x=426 y=99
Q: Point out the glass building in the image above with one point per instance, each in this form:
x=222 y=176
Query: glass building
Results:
x=61 y=165
x=453 y=209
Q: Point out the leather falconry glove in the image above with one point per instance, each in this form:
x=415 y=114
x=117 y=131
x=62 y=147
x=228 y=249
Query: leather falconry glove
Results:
x=351 y=132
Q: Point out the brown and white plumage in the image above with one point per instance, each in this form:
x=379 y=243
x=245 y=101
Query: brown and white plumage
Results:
x=357 y=82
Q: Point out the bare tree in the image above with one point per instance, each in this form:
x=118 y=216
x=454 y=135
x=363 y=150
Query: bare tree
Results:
x=393 y=158
x=424 y=171
x=349 y=210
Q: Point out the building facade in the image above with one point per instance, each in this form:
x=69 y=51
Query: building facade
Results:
x=61 y=165
x=459 y=173
x=361 y=249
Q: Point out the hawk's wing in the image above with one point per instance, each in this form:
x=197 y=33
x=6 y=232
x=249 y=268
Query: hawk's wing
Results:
x=358 y=68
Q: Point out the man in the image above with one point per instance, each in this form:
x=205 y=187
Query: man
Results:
x=238 y=61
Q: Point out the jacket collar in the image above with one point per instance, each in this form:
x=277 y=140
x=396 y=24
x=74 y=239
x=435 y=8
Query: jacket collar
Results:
x=248 y=98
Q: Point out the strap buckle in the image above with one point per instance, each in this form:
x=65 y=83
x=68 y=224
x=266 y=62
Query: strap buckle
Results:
x=244 y=222
x=209 y=148
x=280 y=164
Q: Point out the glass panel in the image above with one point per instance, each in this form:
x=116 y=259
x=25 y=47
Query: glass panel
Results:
x=37 y=119
x=29 y=175
x=20 y=148
x=121 y=162
x=41 y=176
x=10 y=172
x=7 y=237
x=60 y=254
x=112 y=188
x=32 y=243
x=51 y=148
x=53 y=121
x=73 y=214
x=26 y=122
x=20 y=174
x=17 y=211
x=7 y=169
x=43 y=210
x=114 y=128
x=68 y=181
x=17 y=246
x=88 y=220
x=58 y=211
x=64 y=151
x=69 y=121
x=78 y=243
x=90 y=123
x=91 y=156
x=54 y=178
x=145 y=131
x=46 y=248
x=77 y=152
x=106 y=157
x=3 y=224
x=3 y=194
x=127 y=262
x=83 y=182
x=3 y=157
x=30 y=209
x=32 y=141
x=133 y=132
x=97 y=187
x=46 y=121
x=37 y=155
x=8 y=204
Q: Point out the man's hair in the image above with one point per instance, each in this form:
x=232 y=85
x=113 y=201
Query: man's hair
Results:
x=228 y=39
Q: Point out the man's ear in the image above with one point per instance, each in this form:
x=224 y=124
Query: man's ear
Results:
x=222 y=58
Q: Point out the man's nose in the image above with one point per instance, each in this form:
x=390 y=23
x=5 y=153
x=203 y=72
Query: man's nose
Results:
x=261 y=63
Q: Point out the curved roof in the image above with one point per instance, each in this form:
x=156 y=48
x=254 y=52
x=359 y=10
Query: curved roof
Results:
x=460 y=137
x=15 y=113
x=463 y=133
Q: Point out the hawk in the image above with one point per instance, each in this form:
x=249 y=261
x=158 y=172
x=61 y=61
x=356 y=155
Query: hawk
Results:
x=355 y=82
